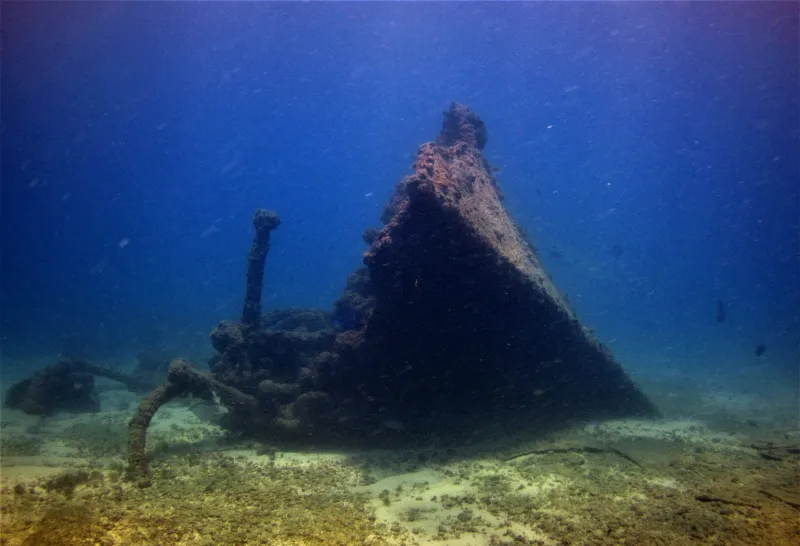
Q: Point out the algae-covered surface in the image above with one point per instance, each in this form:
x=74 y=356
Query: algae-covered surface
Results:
x=733 y=480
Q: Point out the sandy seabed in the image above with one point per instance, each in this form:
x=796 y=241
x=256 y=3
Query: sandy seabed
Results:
x=725 y=472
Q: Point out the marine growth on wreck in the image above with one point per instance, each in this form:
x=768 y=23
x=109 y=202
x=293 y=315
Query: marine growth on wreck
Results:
x=451 y=321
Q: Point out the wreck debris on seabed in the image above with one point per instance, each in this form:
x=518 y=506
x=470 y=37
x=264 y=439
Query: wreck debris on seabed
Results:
x=68 y=386
x=451 y=326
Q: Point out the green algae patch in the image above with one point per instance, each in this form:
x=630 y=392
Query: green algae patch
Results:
x=97 y=438
x=213 y=500
x=19 y=445
x=65 y=525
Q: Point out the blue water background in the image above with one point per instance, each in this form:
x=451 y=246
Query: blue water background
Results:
x=138 y=139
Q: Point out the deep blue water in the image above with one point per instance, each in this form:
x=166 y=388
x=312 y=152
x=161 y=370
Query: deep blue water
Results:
x=138 y=138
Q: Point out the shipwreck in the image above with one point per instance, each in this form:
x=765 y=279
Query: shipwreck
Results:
x=450 y=324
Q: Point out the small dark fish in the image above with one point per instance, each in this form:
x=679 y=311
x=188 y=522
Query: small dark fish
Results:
x=616 y=251
x=761 y=349
x=555 y=254
x=722 y=311
x=538 y=192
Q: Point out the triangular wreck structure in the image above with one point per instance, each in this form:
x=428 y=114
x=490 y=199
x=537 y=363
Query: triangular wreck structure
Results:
x=450 y=324
x=454 y=315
